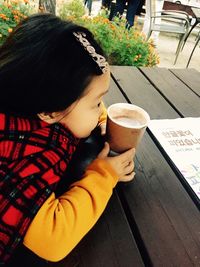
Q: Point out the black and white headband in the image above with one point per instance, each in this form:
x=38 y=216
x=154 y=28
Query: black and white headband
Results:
x=99 y=59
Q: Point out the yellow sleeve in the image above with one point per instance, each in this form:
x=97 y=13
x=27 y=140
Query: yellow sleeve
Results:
x=62 y=222
x=103 y=117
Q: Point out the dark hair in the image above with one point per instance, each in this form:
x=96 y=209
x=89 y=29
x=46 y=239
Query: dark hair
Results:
x=43 y=67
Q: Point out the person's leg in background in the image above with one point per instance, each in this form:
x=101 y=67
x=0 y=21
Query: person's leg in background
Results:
x=106 y=4
x=119 y=8
x=89 y=6
x=131 y=12
x=139 y=10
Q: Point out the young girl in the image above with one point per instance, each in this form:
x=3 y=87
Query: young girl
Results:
x=53 y=76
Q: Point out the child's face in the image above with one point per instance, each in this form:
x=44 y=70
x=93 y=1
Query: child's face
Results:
x=83 y=115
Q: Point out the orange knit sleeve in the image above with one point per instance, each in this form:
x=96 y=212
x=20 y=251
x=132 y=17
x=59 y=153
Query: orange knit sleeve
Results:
x=62 y=222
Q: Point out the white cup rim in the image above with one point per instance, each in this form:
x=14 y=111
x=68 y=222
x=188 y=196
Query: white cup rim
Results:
x=131 y=107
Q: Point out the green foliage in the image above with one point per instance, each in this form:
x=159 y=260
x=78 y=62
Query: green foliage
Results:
x=11 y=13
x=74 y=8
x=122 y=46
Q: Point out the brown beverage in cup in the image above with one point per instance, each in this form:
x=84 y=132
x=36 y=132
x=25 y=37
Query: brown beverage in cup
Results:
x=126 y=124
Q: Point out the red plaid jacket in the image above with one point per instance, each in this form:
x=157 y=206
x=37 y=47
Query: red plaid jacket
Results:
x=34 y=157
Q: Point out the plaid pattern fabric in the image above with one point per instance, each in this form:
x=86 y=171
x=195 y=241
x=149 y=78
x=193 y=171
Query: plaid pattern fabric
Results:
x=34 y=156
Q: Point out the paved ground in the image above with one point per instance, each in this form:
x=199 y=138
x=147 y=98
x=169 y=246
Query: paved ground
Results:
x=166 y=48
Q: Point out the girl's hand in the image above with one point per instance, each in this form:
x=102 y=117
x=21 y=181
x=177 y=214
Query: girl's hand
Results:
x=103 y=128
x=123 y=164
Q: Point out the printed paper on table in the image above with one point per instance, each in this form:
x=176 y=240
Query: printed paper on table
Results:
x=180 y=138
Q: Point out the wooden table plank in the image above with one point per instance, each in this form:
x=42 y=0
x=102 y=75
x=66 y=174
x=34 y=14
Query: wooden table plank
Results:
x=190 y=78
x=191 y=106
x=119 y=243
x=109 y=243
x=140 y=92
x=166 y=217
x=114 y=95
x=187 y=104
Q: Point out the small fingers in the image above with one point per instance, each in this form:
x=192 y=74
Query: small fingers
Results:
x=130 y=167
x=103 y=128
x=128 y=155
x=128 y=177
x=128 y=162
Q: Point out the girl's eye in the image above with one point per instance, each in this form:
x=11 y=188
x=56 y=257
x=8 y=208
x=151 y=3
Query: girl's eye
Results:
x=99 y=104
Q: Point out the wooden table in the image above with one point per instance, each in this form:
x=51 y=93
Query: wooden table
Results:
x=169 y=5
x=153 y=220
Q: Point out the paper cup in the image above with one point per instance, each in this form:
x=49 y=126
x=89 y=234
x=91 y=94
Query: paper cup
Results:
x=126 y=124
